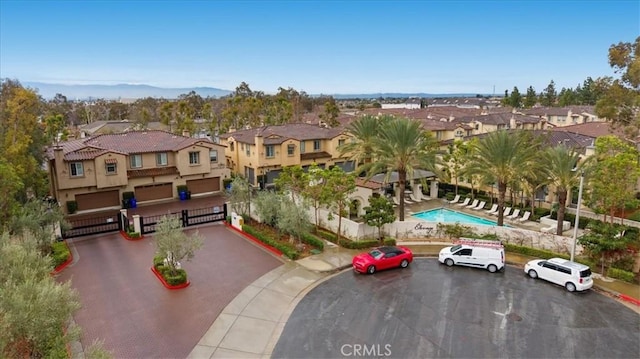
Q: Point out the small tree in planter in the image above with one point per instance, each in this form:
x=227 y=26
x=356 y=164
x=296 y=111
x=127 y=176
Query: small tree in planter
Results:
x=293 y=219
x=379 y=213
x=173 y=246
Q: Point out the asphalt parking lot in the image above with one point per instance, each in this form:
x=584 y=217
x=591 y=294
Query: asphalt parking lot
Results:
x=433 y=311
x=124 y=304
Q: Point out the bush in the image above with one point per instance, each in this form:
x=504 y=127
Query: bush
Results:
x=179 y=278
x=72 y=207
x=286 y=248
x=533 y=252
x=158 y=261
x=331 y=237
x=622 y=275
x=60 y=253
x=312 y=240
x=128 y=195
x=389 y=241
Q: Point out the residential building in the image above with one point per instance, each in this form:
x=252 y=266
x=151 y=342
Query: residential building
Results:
x=95 y=172
x=259 y=154
x=564 y=116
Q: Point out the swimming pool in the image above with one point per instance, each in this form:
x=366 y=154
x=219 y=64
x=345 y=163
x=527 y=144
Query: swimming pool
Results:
x=450 y=216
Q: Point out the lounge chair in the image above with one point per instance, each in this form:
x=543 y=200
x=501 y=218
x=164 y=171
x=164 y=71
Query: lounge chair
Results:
x=525 y=217
x=514 y=215
x=413 y=197
x=455 y=199
x=493 y=209
x=466 y=202
x=506 y=212
x=479 y=206
x=473 y=204
x=395 y=200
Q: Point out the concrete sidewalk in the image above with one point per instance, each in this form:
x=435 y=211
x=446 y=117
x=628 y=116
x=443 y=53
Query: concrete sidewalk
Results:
x=250 y=326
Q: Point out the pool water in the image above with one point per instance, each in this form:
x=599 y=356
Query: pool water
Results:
x=450 y=216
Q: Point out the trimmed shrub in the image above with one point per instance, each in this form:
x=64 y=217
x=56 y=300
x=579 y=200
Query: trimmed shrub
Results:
x=622 y=275
x=312 y=240
x=72 y=207
x=331 y=237
x=286 y=248
x=388 y=241
x=179 y=278
x=158 y=261
x=60 y=253
x=533 y=252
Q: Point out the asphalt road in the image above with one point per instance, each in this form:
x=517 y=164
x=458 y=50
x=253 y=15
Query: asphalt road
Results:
x=433 y=311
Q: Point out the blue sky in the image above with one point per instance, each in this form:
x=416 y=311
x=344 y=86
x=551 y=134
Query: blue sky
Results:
x=325 y=47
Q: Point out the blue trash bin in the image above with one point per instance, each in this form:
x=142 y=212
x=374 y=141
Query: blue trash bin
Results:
x=133 y=203
x=183 y=195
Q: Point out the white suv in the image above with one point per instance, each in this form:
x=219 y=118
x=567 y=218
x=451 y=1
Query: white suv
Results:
x=571 y=275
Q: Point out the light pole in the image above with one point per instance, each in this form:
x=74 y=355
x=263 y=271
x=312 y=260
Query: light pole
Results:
x=575 y=225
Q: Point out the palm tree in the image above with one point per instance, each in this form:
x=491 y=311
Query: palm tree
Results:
x=560 y=168
x=502 y=157
x=401 y=146
x=364 y=131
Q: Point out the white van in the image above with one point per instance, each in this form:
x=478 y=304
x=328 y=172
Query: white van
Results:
x=474 y=253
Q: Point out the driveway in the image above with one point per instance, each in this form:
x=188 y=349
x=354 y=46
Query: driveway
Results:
x=124 y=304
x=432 y=311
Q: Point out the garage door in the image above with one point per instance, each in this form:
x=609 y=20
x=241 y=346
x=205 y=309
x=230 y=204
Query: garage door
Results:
x=154 y=191
x=204 y=185
x=98 y=200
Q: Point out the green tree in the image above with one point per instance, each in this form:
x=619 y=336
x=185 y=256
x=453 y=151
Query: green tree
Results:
x=330 y=113
x=563 y=172
x=174 y=244
x=293 y=180
x=502 y=157
x=342 y=185
x=363 y=131
x=316 y=191
x=608 y=242
x=293 y=219
x=613 y=173
x=455 y=161
x=620 y=100
x=530 y=98
x=34 y=308
x=240 y=196
x=56 y=129
x=549 y=96
x=267 y=204
x=402 y=146
x=378 y=213
x=515 y=99
x=567 y=97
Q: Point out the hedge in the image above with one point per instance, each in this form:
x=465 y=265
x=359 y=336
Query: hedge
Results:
x=286 y=248
x=621 y=274
x=313 y=241
x=349 y=244
x=60 y=253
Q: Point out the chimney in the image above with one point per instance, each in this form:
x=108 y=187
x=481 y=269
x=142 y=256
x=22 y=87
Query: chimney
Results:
x=185 y=133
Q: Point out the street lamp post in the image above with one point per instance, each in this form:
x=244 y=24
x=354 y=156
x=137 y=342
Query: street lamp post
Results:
x=575 y=225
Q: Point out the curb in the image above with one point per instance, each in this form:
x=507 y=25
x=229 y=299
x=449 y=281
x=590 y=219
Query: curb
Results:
x=66 y=263
x=167 y=285
x=126 y=236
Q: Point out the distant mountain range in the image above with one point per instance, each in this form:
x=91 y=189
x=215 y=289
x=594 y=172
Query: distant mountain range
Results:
x=128 y=91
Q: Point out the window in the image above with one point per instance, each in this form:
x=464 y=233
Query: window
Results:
x=269 y=151
x=248 y=148
x=340 y=143
x=76 y=169
x=291 y=149
x=194 y=158
x=231 y=145
x=316 y=145
x=302 y=149
x=136 y=161
x=213 y=156
x=111 y=168
x=161 y=159
x=463 y=252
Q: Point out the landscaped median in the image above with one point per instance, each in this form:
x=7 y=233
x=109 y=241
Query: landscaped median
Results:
x=175 y=281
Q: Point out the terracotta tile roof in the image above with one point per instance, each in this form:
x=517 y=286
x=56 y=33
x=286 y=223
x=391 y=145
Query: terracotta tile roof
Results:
x=592 y=129
x=281 y=133
x=133 y=142
x=559 y=111
x=360 y=182
x=503 y=118
x=314 y=155
x=153 y=172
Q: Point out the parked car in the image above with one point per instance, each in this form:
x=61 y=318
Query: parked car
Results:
x=571 y=275
x=381 y=258
x=474 y=253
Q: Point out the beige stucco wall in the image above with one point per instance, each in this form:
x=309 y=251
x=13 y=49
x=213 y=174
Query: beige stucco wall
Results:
x=104 y=180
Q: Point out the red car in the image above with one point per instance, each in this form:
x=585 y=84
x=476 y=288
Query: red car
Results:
x=382 y=258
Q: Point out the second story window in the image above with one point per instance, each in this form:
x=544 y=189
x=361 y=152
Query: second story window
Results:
x=161 y=159
x=111 y=168
x=231 y=146
x=269 y=151
x=248 y=149
x=302 y=149
x=136 y=161
x=340 y=143
x=76 y=169
x=291 y=149
x=194 y=158
x=316 y=145
x=213 y=156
